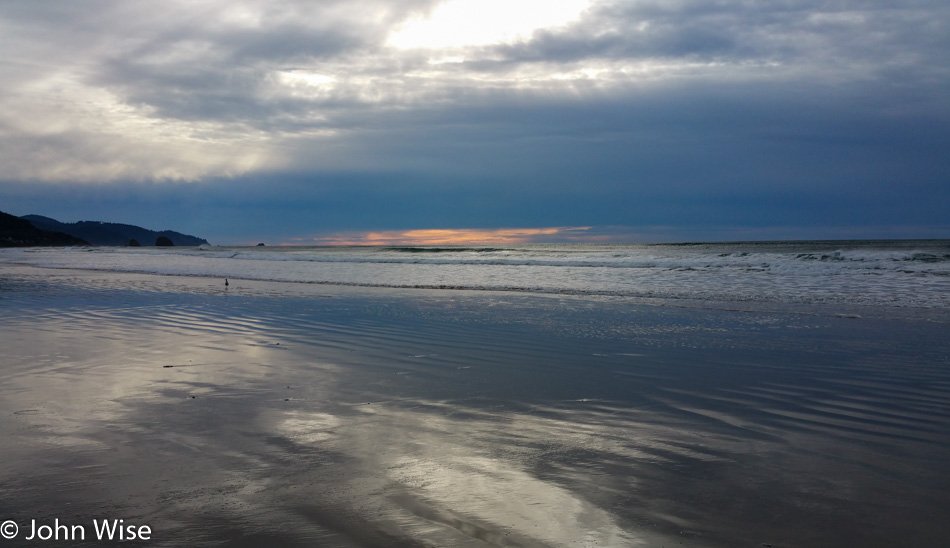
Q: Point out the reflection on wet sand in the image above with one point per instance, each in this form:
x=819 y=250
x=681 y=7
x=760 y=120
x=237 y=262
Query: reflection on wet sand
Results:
x=449 y=471
x=356 y=421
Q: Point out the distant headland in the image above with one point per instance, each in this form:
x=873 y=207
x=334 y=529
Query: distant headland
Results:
x=36 y=230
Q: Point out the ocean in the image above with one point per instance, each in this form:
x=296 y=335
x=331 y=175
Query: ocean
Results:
x=708 y=395
x=912 y=274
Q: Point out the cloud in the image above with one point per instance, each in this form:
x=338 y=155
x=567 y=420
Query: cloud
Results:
x=466 y=23
x=377 y=116
x=249 y=86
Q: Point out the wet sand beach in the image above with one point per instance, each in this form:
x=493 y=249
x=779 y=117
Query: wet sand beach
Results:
x=288 y=414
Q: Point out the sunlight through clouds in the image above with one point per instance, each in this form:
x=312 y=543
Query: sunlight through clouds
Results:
x=455 y=236
x=460 y=23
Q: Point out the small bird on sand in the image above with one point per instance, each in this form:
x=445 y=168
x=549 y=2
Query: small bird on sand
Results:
x=226 y=282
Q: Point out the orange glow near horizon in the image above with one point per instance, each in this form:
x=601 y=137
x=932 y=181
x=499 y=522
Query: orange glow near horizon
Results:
x=454 y=236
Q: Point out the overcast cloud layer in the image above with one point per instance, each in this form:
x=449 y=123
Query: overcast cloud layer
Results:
x=245 y=120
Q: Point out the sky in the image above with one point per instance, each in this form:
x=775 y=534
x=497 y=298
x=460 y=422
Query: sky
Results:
x=401 y=121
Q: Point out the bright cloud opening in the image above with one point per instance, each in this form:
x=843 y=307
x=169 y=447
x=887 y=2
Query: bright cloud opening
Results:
x=459 y=23
x=455 y=236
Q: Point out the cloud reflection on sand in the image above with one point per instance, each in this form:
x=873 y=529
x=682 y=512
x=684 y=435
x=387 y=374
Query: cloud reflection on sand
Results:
x=453 y=471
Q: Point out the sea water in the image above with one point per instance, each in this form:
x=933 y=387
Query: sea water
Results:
x=910 y=274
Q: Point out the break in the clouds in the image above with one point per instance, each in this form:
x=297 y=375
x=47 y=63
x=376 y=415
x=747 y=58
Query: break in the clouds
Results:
x=596 y=112
x=454 y=236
